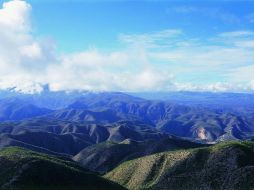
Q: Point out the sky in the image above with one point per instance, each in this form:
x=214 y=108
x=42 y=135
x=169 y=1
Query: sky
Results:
x=127 y=45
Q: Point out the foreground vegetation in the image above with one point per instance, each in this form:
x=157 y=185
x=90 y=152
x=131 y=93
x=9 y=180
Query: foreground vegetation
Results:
x=23 y=169
x=228 y=165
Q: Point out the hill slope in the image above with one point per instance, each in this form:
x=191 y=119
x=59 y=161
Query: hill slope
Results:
x=71 y=137
x=210 y=122
x=14 y=109
x=222 y=166
x=105 y=156
x=23 y=169
x=196 y=121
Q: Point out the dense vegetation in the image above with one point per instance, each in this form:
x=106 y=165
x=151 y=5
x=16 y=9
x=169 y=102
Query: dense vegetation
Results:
x=105 y=156
x=23 y=169
x=138 y=143
x=223 y=166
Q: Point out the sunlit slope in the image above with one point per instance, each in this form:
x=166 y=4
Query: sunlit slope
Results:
x=222 y=166
x=106 y=156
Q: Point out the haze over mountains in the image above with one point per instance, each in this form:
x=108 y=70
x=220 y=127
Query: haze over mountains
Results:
x=136 y=141
x=209 y=117
x=126 y=95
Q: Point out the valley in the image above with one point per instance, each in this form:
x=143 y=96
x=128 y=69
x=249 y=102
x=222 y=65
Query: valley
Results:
x=124 y=141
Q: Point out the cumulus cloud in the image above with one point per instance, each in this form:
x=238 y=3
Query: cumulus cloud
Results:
x=22 y=58
x=15 y=16
x=14 y=35
x=150 y=61
x=93 y=70
x=27 y=63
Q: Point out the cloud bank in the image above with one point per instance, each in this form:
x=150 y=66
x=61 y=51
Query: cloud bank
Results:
x=160 y=60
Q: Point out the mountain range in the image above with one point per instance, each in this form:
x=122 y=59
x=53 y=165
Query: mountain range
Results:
x=177 y=140
x=198 y=122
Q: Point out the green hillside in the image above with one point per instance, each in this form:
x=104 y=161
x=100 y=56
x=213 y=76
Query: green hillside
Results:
x=223 y=166
x=22 y=169
x=105 y=156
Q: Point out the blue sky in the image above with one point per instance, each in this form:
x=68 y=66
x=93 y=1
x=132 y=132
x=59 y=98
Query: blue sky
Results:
x=76 y=25
x=127 y=45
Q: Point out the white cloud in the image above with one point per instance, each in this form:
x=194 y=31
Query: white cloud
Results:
x=150 y=61
x=242 y=74
x=234 y=34
x=151 y=40
x=26 y=63
x=15 y=16
x=92 y=70
x=23 y=59
x=31 y=51
x=214 y=87
x=216 y=57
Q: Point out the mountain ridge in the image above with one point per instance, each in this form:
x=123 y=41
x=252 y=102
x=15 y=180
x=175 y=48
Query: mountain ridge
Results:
x=23 y=169
x=223 y=166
